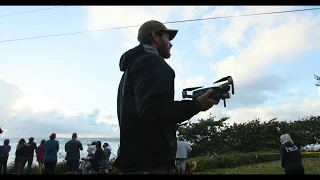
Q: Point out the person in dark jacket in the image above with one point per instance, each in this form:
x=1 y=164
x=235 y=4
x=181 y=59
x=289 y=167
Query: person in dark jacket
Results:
x=290 y=156
x=147 y=112
x=98 y=160
x=30 y=148
x=73 y=148
x=20 y=156
x=4 y=155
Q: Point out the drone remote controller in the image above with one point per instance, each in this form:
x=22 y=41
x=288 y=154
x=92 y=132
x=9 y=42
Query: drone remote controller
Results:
x=218 y=92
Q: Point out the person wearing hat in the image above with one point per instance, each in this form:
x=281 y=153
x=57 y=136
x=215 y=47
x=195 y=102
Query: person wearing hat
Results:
x=147 y=112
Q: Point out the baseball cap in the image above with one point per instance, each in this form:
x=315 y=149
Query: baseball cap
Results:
x=152 y=26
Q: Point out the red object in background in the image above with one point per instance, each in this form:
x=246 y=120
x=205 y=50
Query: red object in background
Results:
x=110 y=169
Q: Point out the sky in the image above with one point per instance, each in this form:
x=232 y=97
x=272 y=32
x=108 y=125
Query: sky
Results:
x=67 y=84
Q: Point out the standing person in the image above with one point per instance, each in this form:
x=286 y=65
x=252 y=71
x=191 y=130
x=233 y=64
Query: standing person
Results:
x=30 y=148
x=107 y=150
x=290 y=156
x=183 y=149
x=20 y=156
x=73 y=147
x=147 y=112
x=4 y=155
x=40 y=154
x=50 y=156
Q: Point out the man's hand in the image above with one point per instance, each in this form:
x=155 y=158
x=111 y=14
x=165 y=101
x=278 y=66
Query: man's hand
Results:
x=1 y=131
x=206 y=103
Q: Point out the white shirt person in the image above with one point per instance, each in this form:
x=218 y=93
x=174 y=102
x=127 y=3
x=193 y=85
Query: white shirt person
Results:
x=183 y=148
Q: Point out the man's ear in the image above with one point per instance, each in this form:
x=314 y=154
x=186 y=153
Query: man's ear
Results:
x=155 y=36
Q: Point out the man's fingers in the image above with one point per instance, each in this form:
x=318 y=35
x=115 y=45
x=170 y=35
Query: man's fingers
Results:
x=213 y=101
x=207 y=94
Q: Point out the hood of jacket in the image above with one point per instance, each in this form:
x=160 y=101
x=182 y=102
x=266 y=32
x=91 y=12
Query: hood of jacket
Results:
x=129 y=56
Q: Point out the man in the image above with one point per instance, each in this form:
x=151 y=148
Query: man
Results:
x=107 y=150
x=183 y=149
x=147 y=112
x=30 y=147
x=98 y=160
x=73 y=148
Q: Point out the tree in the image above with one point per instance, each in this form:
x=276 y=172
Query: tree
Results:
x=318 y=79
x=211 y=137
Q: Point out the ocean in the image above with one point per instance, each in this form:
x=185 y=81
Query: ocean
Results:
x=114 y=142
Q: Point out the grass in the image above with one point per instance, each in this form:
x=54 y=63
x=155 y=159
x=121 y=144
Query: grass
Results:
x=311 y=166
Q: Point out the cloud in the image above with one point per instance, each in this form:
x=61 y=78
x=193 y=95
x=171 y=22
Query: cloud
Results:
x=189 y=12
x=189 y=82
x=283 y=42
x=256 y=43
x=290 y=109
x=232 y=32
x=178 y=62
x=10 y=95
x=25 y=122
x=253 y=45
x=103 y=17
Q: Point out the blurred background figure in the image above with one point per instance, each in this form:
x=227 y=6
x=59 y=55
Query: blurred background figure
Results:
x=4 y=155
x=183 y=149
x=20 y=155
x=51 y=154
x=73 y=148
x=290 y=156
x=40 y=154
x=107 y=150
x=30 y=147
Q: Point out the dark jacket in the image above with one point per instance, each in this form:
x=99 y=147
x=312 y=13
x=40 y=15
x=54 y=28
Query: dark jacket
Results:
x=22 y=152
x=99 y=158
x=4 y=151
x=30 y=148
x=147 y=112
x=290 y=157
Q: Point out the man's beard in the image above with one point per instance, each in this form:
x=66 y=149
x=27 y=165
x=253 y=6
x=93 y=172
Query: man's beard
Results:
x=165 y=54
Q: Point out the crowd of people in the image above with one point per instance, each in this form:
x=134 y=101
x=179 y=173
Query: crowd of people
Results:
x=47 y=156
x=99 y=156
